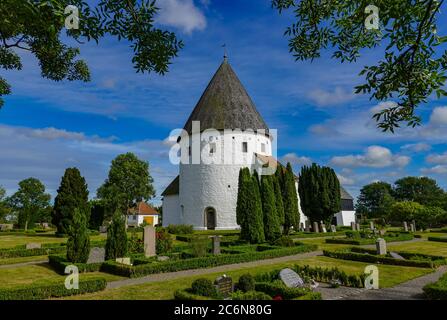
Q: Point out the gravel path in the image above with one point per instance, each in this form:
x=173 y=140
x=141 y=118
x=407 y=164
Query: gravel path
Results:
x=195 y=272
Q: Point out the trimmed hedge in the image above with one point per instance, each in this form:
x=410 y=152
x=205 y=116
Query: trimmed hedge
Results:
x=202 y=262
x=350 y=254
x=15 y=253
x=305 y=235
x=438 y=239
x=358 y=242
x=51 y=290
x=437 y=290
x=59 y=262
x=273 y=289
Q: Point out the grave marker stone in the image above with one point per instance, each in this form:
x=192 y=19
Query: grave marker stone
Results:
x=125 y=261
x=405 y=226
x=353 y=226
x=333 y=228
x=149 y=241
x=224 y=285
x=97 y=255
x=412 y=228
x=323 y=228
x=381 y=246
x=396 y=256
x=301 y=227
x=291 y=279
x=33 y=245
x=371 y=225
x=357 y=226
x=315 y=229
x=307 y=226
x=216 y=244
x=103 y=229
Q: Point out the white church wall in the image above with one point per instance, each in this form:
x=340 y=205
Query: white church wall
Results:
x=344 y=218
x=171 y=210
x=215 y=185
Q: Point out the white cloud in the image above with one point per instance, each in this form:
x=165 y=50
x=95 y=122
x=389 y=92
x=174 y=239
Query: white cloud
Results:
x=437 y=158
x=46 y=153
x=439 y=116
x=345 y=180
x=327 y=98
x=374 y=157
x=294 y=159
x=182 y=14
x=438 y=169
x=416 y=147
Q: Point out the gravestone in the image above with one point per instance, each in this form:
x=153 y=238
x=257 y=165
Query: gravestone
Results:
x=97 y=255
x=333 y=228
x=381 y=232
x=215 y=244
x=405 y=226
x=162 y=258
x=6 y=226
x=307 y=226
x=301 y=226
x=291 y=279
x=315 y=229
x=371 y=225
x=149 y=241
x=125 y=261
x=357 y=226
x=381 y=246
x=103 y=229
x=33 y=245
x=414 y=224
x=353 y=226
x=224 y=285
x=396 y=256
x=323 y=228
x=412 y=228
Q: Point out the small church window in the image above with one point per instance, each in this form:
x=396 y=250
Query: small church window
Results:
x=244 y=147
x=263 y=147
x=212 y=148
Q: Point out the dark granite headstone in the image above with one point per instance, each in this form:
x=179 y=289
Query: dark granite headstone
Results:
x=224 y=285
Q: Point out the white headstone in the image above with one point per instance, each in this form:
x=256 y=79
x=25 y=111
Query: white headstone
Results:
x=291 y=279
x=333 y=228
x=125 y=261
x=405 y=226
x=381 y=246
x=353 y=226
x=396 y=256
x=33 y=245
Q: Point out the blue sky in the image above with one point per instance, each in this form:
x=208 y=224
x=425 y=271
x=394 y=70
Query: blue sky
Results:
x=46 y=127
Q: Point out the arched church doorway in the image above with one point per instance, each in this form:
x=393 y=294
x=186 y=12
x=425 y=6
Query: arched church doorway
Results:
x=210 y=218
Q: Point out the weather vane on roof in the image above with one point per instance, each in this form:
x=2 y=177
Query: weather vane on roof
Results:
x=225 y=51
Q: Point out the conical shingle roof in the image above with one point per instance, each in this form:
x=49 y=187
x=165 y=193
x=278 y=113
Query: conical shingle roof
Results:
x=225 y=104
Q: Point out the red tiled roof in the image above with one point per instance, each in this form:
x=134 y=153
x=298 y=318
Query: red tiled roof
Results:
x=143 y=209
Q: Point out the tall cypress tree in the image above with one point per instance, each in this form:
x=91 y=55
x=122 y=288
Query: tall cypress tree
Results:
x=291 y=213
x=278 y=195
x=72 y=194
x=116 y=245
x=272 y=230
x=319 y=191
x=78 y=243
x=242 y=205
x=254 y=213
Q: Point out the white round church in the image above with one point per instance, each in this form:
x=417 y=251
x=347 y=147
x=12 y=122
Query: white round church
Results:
x=223 y=134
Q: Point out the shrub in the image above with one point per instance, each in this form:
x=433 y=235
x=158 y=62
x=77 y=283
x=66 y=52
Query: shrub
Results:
x=246 y=283
x=202 y=262
x=438 y=239
x=78 y=243
x=180 y=229
x=203 y=287
x=250 y=295
x=284 y=241
x=163 y=242
x=186 y=295
x=59 y=262
x=39 y=291
x=276 y=288
x=199 y=246
x=22 y=252
x=437 y=290
x=116 y=245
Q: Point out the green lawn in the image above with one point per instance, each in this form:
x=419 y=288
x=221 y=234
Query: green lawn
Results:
x=11 y=277
x=11 y=241
x=426 y=247
x=389 y=276
x=322 y=245
x=22 y=259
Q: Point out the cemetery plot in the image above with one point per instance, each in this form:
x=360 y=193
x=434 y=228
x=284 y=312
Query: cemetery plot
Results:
x=396 y=258
x=368 y=237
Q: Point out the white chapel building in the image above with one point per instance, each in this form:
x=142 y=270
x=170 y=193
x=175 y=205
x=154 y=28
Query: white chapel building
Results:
x=229 y=133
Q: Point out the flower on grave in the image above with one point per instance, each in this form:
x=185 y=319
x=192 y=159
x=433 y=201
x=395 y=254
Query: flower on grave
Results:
x=277 y=297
